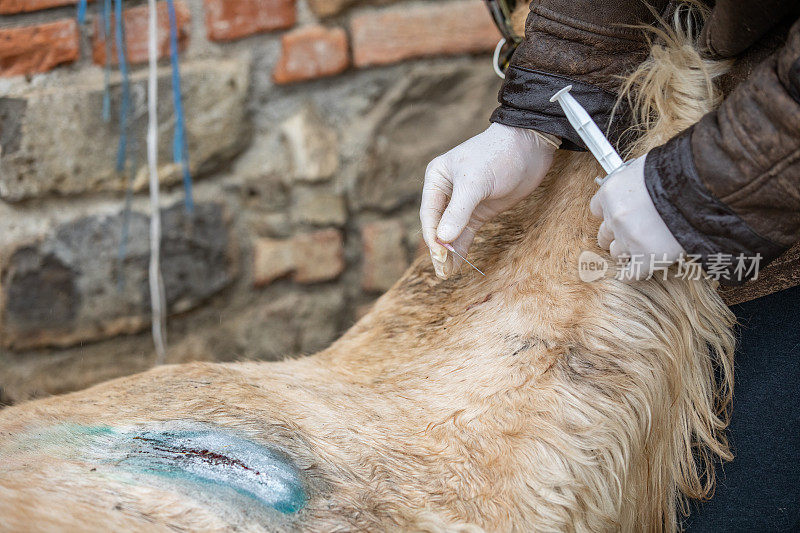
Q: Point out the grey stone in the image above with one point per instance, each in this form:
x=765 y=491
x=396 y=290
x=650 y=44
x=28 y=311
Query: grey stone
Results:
x=42 y=291
x=58 y=144
x=266 y=156
x=261 y=193
x=413 y=231
x=28 y=375
x=272 y=328
x=263 y=332
x=313 y=145
x=320 y=320
x=289 y=325
x=275 y=225
x=72 y=287
x=430 y=111
x=385 y=257
x=318 y=208
x=11 y=112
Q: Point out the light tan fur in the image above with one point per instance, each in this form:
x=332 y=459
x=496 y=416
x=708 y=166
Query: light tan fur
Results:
x=519 y=17
x=524 y=401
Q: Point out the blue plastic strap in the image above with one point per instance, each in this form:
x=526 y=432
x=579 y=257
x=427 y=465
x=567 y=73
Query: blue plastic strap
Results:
x=123 y=68
x=81 y=11
x=122 y=150
x=105 y=28
x=179 y=147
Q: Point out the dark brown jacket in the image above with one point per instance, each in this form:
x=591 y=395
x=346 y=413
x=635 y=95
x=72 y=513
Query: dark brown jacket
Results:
x=728 y=185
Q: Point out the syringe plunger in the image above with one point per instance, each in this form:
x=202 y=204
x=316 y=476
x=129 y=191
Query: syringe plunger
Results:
x=588 y=131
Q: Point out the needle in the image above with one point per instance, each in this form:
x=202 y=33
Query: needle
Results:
x=450 y=247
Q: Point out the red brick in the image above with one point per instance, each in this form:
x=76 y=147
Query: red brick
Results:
x=233 y=19
x=395 y=34
x=318 y=256
x=7 y=7
x=272 y=259
x=312 y=52
x=384 y=254
x=34 y=49
x=136 y=33
x=329 y=8
x=308 y=257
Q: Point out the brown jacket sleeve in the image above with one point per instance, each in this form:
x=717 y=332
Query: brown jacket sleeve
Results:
x=731 y=183
x=589 y=44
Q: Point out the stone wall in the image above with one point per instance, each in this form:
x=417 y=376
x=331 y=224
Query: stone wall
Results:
x=309 y=124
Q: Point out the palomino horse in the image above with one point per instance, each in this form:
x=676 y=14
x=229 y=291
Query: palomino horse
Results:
x=525 y=400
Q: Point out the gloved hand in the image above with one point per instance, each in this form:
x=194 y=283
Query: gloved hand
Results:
x=631 y=224
x=476 y=180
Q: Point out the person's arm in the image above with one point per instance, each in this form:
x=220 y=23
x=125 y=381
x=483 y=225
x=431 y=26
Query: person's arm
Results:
x=731 y=183
x=589 y=44
x=586 y=43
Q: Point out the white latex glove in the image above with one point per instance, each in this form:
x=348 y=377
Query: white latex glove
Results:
x=476 y=180
x=632 y=227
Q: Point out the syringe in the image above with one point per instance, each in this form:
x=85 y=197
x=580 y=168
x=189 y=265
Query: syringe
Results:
x=595 y=141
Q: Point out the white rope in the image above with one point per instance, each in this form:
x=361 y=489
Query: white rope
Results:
x=156 y=282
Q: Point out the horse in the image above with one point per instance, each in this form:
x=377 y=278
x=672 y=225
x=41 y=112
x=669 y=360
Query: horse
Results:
x=524 y=400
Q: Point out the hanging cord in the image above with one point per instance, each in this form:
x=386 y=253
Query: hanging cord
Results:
x=105 y=28
x=156 y=282
x=126 y=88
x=157 y=293
x=180 y=153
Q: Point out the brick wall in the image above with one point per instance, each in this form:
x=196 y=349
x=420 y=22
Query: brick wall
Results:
x=309 y=125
